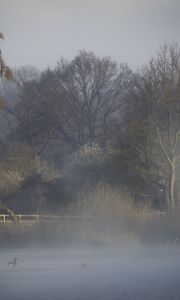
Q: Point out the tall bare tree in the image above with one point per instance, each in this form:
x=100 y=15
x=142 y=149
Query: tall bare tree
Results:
x=77 y=103
x=93 y=88
x=156 y=97
x=39 y=109
x=164 y=75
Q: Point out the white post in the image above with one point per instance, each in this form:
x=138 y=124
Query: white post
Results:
x=4 y=218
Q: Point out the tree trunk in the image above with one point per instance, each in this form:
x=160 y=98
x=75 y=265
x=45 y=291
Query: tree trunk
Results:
x=168 y=205
x=172 y=185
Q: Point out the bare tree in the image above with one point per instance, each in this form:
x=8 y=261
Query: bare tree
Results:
x=156 y=96
x=164 y=74
x=77 y=103
x=93 y=88
x=38 y=111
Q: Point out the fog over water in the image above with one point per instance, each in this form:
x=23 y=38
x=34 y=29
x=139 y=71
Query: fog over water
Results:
x=91 y=273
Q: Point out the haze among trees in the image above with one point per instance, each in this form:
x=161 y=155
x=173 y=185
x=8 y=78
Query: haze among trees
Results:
x=91 y=122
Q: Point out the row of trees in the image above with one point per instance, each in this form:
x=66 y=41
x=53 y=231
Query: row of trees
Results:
x=94 y=101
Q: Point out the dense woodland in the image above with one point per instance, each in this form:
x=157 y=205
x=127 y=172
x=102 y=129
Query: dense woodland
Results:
x=90 y=129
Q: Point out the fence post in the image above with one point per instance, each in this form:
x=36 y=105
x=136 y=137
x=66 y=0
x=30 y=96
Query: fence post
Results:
x=19 y=218
x=4 y=218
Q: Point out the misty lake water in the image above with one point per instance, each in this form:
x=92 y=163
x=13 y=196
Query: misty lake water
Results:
x=120 y=274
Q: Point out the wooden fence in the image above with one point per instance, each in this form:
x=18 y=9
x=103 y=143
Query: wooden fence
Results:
x=157 y=217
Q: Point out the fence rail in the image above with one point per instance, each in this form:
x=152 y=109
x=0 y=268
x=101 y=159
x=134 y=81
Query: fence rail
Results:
x=5 y=218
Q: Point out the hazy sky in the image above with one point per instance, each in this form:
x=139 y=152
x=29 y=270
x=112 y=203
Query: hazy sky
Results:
x=39 y=32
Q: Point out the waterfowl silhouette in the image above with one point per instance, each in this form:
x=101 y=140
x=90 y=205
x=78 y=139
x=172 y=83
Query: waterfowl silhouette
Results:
x=12 y=263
